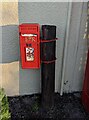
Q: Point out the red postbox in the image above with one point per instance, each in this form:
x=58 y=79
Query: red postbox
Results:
x=30 y=45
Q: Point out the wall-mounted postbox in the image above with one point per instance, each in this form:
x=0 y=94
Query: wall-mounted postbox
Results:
x=30 y=45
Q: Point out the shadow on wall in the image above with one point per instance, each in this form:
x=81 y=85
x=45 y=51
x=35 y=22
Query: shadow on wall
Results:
x=10 y=44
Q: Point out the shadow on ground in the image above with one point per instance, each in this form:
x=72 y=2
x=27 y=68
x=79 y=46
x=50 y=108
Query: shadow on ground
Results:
x=68 y=106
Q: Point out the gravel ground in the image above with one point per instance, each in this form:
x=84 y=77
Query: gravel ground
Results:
x=67 y=107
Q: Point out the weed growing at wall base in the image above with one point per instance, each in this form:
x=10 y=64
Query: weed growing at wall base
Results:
x=4 y=106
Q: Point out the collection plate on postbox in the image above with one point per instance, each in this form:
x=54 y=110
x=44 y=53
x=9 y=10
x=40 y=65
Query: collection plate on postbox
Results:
x=29 y=45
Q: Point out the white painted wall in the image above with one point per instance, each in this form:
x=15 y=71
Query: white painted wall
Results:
x=29 y=81
x=74 y=72
x=43 y=13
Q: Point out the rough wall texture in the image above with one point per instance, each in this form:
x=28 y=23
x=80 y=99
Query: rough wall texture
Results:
x=76 y=56
x=28 y=81
x=43 y=13
x=9 y=12
x=10 y=78
x=9 y=47
x=10 y=43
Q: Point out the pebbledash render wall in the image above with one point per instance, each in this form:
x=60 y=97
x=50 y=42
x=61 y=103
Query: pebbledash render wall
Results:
x=43 y=13
x=18 y=81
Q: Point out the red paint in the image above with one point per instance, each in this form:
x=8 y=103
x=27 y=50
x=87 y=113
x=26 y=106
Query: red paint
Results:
x=85 y=94
x=30 y=45
x=43 y=41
